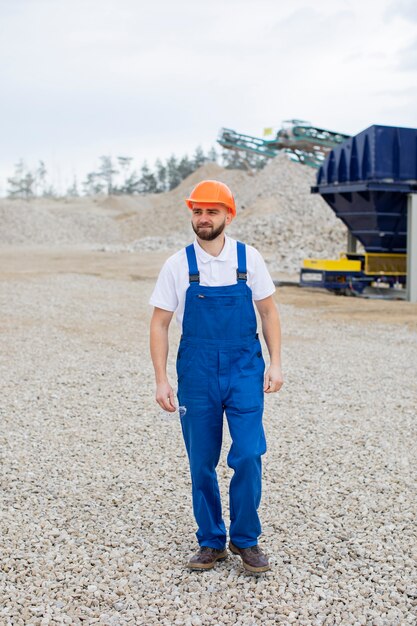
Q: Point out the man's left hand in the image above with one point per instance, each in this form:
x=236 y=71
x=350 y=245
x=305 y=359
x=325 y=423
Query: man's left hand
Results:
x=273 y=380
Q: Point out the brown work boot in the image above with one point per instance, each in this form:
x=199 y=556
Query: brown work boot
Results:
x=254 y=560
x=206 y=558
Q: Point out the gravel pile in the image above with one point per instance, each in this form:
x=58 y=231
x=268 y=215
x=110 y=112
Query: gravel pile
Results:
x=276 y=213
x=96 y=507
x=46 y=222
x=150 y=244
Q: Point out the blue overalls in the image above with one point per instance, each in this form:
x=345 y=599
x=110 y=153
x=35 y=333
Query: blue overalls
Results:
x=220 y=369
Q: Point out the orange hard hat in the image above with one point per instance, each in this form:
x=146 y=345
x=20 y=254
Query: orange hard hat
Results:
x=212 y=191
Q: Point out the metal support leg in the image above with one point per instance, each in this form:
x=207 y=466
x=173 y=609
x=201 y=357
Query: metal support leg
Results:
x=412 y=247
x=351 y=242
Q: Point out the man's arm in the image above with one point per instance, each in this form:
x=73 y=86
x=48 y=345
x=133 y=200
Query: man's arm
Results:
x=160 y=322
x=271 y=329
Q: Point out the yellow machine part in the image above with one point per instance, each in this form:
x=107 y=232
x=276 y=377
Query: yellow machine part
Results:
x=332 y=265
x=374 y=263
x=386 y=264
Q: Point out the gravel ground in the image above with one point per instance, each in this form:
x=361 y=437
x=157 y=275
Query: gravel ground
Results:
x=96 y=518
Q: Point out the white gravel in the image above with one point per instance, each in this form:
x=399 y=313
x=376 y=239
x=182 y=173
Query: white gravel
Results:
x=96 y=520
x=276 y=213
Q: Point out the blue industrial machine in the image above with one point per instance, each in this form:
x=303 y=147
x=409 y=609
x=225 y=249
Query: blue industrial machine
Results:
x=366 y=181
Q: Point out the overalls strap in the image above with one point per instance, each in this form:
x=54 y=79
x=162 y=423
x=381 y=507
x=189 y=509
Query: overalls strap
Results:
x=194 y=274
x=241 y=271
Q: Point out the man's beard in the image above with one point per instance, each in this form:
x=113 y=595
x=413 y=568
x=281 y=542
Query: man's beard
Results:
x=207 y=234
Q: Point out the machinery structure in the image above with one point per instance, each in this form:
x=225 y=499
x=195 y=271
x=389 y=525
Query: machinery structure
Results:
x=305 y=143
x=370 y=182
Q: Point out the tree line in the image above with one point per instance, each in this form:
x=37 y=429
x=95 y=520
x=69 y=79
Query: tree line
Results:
x=117 y=176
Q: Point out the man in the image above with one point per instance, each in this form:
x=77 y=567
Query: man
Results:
x=211 y=285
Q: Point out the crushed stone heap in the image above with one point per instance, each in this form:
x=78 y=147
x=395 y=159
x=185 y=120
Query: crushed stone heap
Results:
x=276 y=213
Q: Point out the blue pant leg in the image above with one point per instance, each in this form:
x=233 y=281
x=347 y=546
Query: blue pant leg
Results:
x=244 y=410
x=248 y=445
x=202 y=427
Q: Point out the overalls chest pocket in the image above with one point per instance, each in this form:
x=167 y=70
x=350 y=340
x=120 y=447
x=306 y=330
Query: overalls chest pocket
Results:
x=217 y=302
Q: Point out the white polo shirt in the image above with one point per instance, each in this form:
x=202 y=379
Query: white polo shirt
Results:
x=215 y=271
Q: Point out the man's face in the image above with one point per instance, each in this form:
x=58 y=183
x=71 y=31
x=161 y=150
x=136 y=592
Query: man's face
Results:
x=209 y=220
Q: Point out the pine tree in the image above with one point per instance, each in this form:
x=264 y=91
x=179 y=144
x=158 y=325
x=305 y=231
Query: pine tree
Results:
x=40 y=179
x=185 y=167
x=161 y=176
x=199 y=158
x=102 y=180
x=106 y=173
x=92 y=184
x=72 y=191
x=130 y=180
x=173 y=175
x=22 y=183
x=131 y=184
x=49 y=191
x=147 y=183
x=125 y=163
x=212 y=155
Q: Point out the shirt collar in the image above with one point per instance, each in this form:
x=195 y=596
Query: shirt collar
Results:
x=204 y=257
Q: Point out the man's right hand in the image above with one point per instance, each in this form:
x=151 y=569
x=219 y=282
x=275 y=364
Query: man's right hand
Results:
x=165 y=397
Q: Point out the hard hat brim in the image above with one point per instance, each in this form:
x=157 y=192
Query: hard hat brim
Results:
x=190 y=203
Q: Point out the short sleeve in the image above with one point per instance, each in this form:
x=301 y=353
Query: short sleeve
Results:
x=259 y=279
x=164 y=295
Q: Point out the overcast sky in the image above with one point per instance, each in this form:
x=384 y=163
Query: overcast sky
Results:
x=83 y=78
